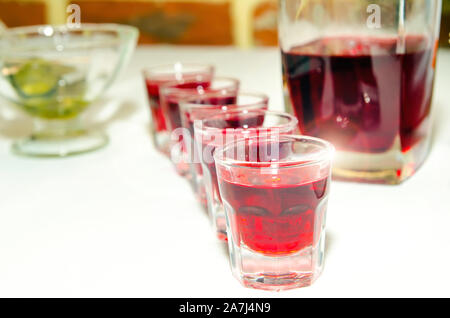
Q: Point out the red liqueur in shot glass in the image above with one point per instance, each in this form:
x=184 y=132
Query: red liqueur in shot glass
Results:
x=275 y=193
x=218 y=91
x=155 y=78
x=226 y=127
x=211 y=103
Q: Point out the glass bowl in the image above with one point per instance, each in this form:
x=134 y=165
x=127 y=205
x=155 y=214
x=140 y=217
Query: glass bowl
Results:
x=54 y=73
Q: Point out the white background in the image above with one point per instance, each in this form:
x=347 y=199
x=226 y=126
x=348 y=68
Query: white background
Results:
x=120 y=222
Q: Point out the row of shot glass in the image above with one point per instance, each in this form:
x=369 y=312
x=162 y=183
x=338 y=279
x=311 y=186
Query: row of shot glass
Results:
x=264 y=186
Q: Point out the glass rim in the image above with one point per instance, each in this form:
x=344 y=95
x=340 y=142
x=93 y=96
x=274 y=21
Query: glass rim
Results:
x=264 y=100
x=169 y=87
x=39 y=29
x=122 y=34
x=200 y=127
x=323 y=156
x=153 y=70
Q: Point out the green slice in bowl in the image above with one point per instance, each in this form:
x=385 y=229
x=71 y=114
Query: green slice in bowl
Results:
x=38 y=78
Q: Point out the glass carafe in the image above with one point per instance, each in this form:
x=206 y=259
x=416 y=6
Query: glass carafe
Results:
x=359 y=73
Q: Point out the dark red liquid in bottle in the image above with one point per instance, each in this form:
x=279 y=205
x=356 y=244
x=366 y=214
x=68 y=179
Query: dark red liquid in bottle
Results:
x=359 y=93
x=276 y=218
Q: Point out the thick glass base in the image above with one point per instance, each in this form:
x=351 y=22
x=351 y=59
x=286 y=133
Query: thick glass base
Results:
x=37 y=146
x=219 y=221
x=178 y=158
x=161 y=141
x=277 y=273
x=278 y=282
x=220 y=226
x=200 y=193
x=216 y=209
x=196 y=181
x=392 y=167
x=59 y=139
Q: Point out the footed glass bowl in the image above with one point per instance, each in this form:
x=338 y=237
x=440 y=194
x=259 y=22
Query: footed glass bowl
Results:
x=54 y=73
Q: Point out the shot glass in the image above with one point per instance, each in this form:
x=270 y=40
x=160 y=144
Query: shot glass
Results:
x=226 y=127
x=218 y=91
x=157 y=76
x=200 y=107
x=275 y=192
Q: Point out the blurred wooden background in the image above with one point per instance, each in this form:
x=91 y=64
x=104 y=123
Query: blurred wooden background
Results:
x=244 y=23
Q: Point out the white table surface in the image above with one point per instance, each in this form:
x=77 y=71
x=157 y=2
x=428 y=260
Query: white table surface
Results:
x=119 y=222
